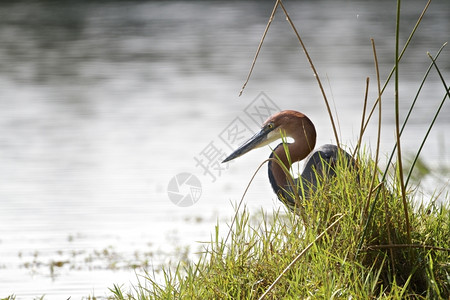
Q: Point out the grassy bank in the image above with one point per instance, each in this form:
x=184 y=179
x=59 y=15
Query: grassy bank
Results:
x=276 y=255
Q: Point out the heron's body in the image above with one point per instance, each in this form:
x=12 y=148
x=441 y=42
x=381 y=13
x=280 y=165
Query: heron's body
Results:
x=318 y=163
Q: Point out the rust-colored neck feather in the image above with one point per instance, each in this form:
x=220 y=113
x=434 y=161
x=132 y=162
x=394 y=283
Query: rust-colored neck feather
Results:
x=302 y=130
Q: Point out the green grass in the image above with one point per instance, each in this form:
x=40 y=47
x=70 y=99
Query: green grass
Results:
x=261 y=247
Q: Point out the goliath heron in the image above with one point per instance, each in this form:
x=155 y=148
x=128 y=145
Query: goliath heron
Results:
x=319 y=163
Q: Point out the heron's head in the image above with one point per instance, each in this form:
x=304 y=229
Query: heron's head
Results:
x=287 y=123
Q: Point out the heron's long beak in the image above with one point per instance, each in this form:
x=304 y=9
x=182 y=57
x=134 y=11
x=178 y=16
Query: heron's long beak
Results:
x=256 y=141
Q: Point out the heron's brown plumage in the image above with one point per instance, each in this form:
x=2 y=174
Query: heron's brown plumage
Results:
x=300 y=128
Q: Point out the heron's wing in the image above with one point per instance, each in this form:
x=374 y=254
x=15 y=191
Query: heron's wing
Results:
x=318 y=163
x=322 y=162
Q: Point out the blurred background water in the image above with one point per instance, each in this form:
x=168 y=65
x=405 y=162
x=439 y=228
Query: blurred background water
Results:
x=103 y=103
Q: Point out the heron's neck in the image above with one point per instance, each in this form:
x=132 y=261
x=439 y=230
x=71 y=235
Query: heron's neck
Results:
x=297 y=152
x=304 y=135
x=277 y=176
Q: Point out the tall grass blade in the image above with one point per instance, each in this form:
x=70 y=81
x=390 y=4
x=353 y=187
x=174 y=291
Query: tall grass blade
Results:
x=259 y=47
x=361 y=131
x=316 y=75
x=397 y=125
x=447 y=94
x=377 y=152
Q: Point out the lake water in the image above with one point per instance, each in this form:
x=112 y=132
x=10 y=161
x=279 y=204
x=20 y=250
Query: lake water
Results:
x=102 y=104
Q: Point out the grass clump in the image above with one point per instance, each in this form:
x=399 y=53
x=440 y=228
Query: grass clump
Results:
x=267 y=246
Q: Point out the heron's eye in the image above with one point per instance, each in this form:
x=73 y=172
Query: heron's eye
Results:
x=270 y=126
